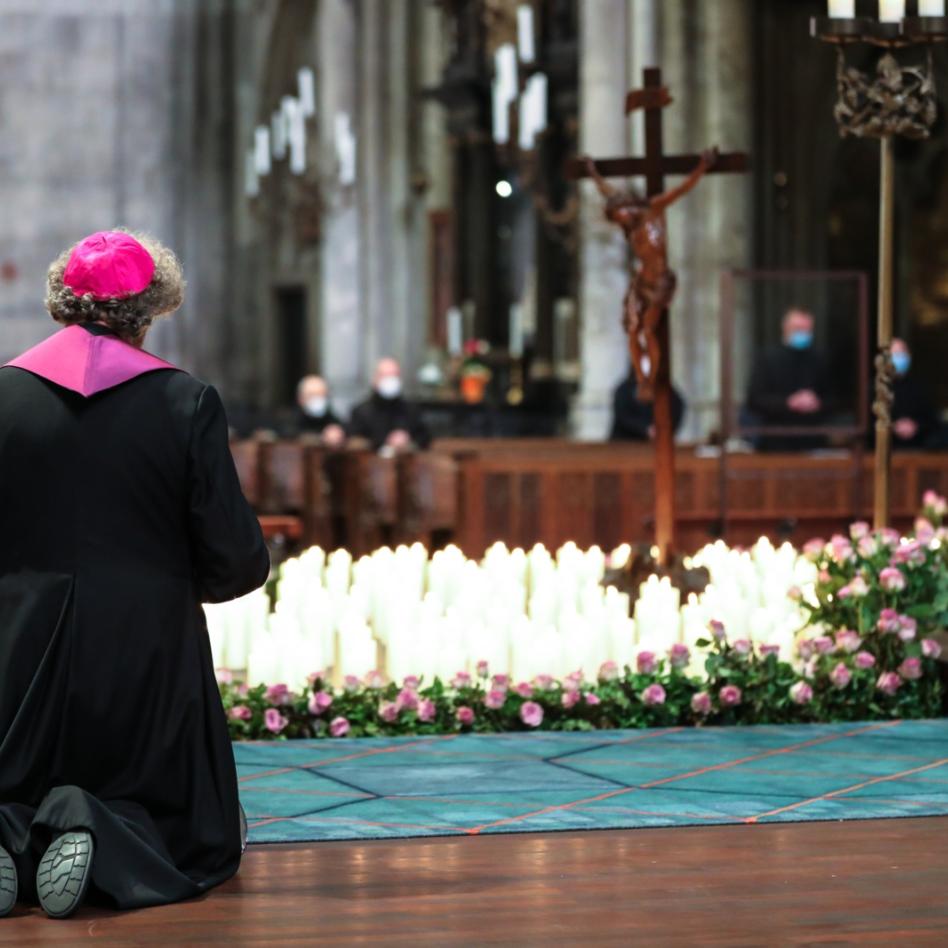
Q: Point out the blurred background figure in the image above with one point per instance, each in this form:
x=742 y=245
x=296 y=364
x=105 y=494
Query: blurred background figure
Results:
x=914 y=418
x=789 y=386
x=633 y=420
x=386 y=419
x=315 y=414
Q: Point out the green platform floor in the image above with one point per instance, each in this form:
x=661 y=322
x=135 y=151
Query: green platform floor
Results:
x=472 y=784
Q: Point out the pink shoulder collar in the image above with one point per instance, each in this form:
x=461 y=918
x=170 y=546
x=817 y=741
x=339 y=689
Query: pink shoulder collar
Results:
x=86 y=363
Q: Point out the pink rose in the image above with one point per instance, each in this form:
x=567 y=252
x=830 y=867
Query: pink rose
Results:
x=801 y=693
x=813 y=549
x=464 y=715
x=653 y=695
x=544 y=682
x=501 y=681
x=524 y=690
x=573 y=681
x=848 y=641
x=375 y=679
x=823 y=644
x=935 y=503
x=924 y=531
x=531 y=714
x=591 y=699
x=768 y=649
x=645 y=662
x=742 y=646
x=795 y=593
x=824 y=576
x=274 y=721
x=701 y=703
x=240 y=712
x=859 y=529
x=911 y=669
x=888 y=537
x=889 y=622
x=339 y=727
x=569 y=699
x=930 y=648
x=319 y=701
x=855 y=589
x=907 y=628
x=868 y=547
x=608 y=671
x=840 y=676
x=461 y=680
x=716 y=628
x=891 y=579
x=224 y=676
x=407 y=700
x=888 y=683
x=483 y=670
x=912 y=553
x=805 y=649
x=840 y=549
x=864 y=660
x=351 y=683
x=426 y=710
x=388 y=712
x=277 y=694
x=679 y=655
x=411 y=682
x=313 y=677
x=730 y=696
x=495 y=698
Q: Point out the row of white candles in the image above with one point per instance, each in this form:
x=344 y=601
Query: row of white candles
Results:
x=506 y=89
x=524 y=612
x=890 y=11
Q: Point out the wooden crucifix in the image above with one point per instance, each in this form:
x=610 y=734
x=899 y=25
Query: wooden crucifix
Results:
x=652 y=286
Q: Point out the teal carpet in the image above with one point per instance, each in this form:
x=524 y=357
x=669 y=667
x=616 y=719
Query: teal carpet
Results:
x=504 y=783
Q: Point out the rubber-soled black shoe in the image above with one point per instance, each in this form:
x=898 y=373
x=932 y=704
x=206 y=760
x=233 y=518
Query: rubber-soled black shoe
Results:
x=64 y=873
x=8 y=883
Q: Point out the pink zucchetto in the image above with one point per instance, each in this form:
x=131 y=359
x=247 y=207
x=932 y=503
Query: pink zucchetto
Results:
x=109 y=265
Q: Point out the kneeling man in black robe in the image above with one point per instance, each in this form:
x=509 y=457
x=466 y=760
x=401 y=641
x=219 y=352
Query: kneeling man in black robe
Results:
x=120 y=513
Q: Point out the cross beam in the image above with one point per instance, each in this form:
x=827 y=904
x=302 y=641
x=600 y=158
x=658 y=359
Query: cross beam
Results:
x=653 y=166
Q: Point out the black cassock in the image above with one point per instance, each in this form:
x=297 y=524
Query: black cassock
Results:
x=120 y=513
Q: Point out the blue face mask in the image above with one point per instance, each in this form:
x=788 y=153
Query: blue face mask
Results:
x=800 y=339
x=901 y=361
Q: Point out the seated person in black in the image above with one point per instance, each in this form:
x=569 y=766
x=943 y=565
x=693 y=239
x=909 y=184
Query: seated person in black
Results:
x=315 y=415
x=914 y=418
x=789 y=386
x=385 y=418
x=632 y=420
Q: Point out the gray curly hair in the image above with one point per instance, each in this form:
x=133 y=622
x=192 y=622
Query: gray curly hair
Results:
x=130 y=317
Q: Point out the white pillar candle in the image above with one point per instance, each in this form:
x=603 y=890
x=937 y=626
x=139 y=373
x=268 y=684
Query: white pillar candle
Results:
x=532 y=111
x=261 y=149
x=455 y=330
x=516 y=330
x=842 y=9
x=306 y=84
x=891 y=11
x=296 y=132
x=251 y=178
x=504 y=90
x=278 y=134
x=526 y=38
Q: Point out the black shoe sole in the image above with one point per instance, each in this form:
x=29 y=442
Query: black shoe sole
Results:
x=9 y=884
x=64 y=873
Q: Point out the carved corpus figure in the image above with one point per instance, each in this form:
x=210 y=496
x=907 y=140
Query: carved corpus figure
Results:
x=652 y=282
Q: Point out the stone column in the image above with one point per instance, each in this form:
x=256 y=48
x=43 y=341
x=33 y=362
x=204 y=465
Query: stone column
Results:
x=706 y=60
x=343 y=335
x=603 y=255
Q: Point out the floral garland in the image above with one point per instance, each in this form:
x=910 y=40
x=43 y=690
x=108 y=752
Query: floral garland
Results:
x=867 y=654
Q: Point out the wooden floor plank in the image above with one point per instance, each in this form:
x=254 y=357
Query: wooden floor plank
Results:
x=875 y=882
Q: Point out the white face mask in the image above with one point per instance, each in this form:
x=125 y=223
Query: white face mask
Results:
x=316 y=406
x=389 y=387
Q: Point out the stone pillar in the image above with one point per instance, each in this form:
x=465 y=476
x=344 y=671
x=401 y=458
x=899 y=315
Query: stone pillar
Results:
x=706 y=60
x=343 y=335
x=603 y=255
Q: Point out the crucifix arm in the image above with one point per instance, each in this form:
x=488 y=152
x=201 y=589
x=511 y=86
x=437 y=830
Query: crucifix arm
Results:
x=707 y=160
x=605 y=189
